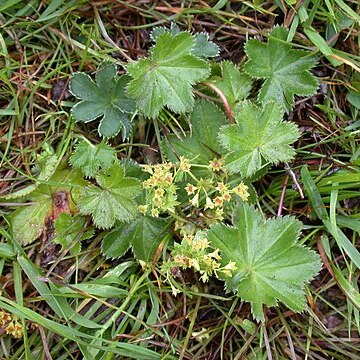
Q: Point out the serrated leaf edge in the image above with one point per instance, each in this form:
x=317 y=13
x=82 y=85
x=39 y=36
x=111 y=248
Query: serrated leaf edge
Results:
x=82 y=73
x=120 y=128
x=101 y=117
x=87 y=120
x=300 y=285
x=290 y=105
x=102 y=168
x=208 y=39
x=112 y=257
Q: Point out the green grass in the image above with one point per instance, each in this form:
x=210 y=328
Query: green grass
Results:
x=86 y=306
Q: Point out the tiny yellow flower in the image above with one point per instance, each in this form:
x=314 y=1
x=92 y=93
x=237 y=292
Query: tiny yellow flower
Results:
x=200 y=335
x=200 y=244
x=219 y=212
x=15 y=329
x=157 y=169
x=221 y=188
x=218 y=201
x=34 y=326
x=143 y=209
x=154 y=212
x=208 y=203
x=157 y=180
x=159 y=192
x=229 y=268
x=168 y=178
x=204 y=277
x=226 y=197
x=18 y=333
x=4 y=318
x=182 y=260
x=216 y=164
x=179 y=225
x=147 y=184
x=211 y=263
x=195 y=200
x=10 y=328
x=188 y=238
x=148 y=168
x=157 y=201
x=184 y=164
x=242 y=191
x=195 y=264
x=190 y=189
x=167 y=166
x=215 y=254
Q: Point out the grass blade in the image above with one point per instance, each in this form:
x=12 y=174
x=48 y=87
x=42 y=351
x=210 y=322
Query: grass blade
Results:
x=314 y=195
x=123 y=349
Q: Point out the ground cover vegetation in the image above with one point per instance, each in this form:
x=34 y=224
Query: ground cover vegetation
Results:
x=179 y=179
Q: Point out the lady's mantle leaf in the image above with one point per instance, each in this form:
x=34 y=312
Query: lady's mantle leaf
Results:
x=106 y=99
x=201 y=143
x=28 y=222
x=271 y=266
x=260 y=136
x=167 y=76
x=233 y=83
x=203 y=48
x=144 y=236
x=90 y=159
x=112 y=200
x=286 y=71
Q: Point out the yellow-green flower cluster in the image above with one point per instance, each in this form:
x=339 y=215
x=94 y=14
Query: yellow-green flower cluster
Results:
x=207 y=194
x=195 y=252
x=221 y=194
x=13 y=327
x=161 y=195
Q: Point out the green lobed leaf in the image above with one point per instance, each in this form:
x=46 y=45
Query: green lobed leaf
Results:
x=105 y=99
x=286 y=71
x=112 y=200
x=260 y=136
x=28 y=222
x=234 y=83
x=115 y=244
x=90 y=159
x=173 y=30
x=144 y=235
x=203 y=48
x=271 y=266
x=166 y=77
x=201 y=142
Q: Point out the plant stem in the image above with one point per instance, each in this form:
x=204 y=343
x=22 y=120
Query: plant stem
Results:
x=223 y=99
